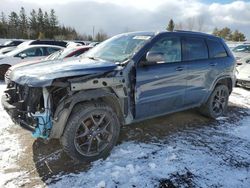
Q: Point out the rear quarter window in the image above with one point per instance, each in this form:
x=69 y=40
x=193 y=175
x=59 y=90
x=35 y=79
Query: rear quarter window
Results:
x=216 y=49
x=194 y=49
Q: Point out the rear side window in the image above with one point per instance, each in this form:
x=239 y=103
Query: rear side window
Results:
x=194 y=49
x=216 y=49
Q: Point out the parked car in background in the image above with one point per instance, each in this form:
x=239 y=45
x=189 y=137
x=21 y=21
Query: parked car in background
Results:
x=30 y=52
x=9 y=46
x=241 y=51
x=243 y=72
x=58 y=55
x=5 y=50
x=49 y=42
x=33 y=42
x=244 y=60
x=68 y=52
x=73 y=44
x=11 y=43
x=125 y=79
x=93 y=44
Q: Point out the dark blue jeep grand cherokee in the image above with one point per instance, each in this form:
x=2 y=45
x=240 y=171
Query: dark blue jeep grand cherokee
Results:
x=128 y=78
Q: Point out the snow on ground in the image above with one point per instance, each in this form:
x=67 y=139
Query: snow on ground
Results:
x=10 y=149
x=215 y=155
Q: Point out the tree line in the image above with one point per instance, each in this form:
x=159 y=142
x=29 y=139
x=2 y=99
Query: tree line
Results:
x=40 y=24
x=197 y=23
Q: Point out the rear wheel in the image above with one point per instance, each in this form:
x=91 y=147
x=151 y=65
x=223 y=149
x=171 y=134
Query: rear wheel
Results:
x=217 y=103
x=3 y=70
x=91 y=132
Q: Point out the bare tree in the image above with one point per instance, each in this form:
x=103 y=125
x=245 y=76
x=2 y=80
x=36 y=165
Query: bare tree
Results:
x=190 y=23
x=200 y=23
x=179 y=26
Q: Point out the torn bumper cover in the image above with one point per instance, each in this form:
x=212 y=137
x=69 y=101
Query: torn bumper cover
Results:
x=39 y=122
x=14 y=113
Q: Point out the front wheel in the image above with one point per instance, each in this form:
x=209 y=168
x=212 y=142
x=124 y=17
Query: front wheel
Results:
x=217 y=103
x=91 y=132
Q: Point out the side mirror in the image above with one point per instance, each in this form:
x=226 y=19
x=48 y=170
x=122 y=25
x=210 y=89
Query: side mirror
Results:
x=23 y=55
x=154 y=57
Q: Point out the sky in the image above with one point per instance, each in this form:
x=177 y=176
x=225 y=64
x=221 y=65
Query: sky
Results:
x=118 y=16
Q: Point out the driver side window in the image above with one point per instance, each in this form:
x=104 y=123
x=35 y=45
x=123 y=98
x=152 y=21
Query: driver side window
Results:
x=170 y=47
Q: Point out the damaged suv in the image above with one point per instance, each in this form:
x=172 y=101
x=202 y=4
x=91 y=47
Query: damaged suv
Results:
x=128 y=78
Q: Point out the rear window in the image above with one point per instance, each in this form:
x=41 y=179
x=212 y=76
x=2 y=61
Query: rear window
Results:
x=194 y=49
x=216 y=49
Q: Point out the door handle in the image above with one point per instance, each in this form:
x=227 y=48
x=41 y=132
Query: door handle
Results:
x=179 y=69
x=213 y=64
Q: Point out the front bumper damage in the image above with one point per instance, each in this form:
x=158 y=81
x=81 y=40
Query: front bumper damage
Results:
x=17 y=101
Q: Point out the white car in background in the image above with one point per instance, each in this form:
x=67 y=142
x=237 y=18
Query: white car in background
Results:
x=65 y=53
x=243 y=72
x=26 y=53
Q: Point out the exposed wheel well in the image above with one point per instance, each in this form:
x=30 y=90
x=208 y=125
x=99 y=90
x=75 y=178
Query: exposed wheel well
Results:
x=227 y=82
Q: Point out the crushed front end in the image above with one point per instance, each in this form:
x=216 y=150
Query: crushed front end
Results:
x=30 y=107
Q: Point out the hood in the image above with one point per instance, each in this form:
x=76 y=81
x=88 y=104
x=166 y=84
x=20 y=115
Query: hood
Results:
x=42 y=74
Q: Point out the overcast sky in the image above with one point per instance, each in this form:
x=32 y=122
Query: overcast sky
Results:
x=119 y=16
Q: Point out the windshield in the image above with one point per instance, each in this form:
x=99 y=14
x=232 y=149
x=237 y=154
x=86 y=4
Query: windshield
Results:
x=119 y=48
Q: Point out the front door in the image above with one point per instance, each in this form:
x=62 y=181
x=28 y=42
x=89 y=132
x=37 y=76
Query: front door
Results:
x=160 y=87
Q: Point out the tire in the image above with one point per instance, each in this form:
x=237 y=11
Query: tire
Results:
x=217 y=103
x=83 y=132
x=3 y=70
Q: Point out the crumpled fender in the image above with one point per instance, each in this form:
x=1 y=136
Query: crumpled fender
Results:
x=65 y=108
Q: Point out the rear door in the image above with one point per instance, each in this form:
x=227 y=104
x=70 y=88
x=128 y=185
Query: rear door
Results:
x=160 y=87
x=205 y=60
x=196 y=56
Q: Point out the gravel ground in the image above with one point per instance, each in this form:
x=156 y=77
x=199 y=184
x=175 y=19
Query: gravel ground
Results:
x=179 y=150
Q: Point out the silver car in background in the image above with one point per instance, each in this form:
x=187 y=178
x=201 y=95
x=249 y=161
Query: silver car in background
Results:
x=26 y=53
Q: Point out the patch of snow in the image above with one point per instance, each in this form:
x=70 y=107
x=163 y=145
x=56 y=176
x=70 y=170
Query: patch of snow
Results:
x=216 y=158
x=10 y=149
x=240 y=96
x=243 y=131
